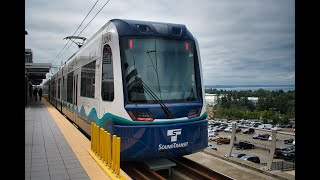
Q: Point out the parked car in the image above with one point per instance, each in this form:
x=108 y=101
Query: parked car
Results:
x=279 y=151
x=223 y=140
x=280 y=125
x=227 y=129
x=243 y=145
x=237 y=155
x=212 y=147
x=216 y=124
x=256 y=136
x=256 y=124
x=276 y=128
x=251 y=158
x=270 y=138
x=289 y=155
x=213 y=138
x=288 y=141
x=248 y=131
x=219 y=128
x=265 y=126
x=264 y=136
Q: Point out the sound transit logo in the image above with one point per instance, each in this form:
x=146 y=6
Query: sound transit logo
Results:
x=174 y=137
x=174 y=134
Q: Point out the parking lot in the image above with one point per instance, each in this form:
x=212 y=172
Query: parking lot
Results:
x=261 y=148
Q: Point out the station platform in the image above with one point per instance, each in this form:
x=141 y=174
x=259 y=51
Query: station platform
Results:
x=54 y=148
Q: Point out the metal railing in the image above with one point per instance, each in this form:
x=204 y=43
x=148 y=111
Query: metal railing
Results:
x=281 y=165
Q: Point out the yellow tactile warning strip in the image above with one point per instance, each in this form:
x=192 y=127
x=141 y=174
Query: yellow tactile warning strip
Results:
x=108 y=170
x=79 y=144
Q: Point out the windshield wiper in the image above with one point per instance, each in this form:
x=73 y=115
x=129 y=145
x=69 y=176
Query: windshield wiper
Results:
x=155 y=98
x=155 y=69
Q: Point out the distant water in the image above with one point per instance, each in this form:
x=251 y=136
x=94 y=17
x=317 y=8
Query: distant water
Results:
x=251 y=87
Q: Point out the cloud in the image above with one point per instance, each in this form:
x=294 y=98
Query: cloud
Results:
x=241 y=42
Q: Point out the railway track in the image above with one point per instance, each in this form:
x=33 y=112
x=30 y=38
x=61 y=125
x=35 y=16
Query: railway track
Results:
x=185 y=167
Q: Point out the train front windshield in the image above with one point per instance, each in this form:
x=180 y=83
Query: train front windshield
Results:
x=159 y=68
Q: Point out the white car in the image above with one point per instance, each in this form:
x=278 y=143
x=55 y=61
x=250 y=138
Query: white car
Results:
x=277 y=128
x=270 y=138
x=213 y=138
x=267 y=126
x=228 y=129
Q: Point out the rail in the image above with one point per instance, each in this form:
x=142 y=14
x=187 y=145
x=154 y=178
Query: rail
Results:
x=197 y=171
x=139 y=171
x=187 y=167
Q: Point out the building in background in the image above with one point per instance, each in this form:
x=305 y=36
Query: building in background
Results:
x=34 y=73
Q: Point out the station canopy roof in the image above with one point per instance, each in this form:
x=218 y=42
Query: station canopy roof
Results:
x=36 y=72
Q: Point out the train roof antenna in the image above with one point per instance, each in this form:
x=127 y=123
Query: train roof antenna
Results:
x=76 y=37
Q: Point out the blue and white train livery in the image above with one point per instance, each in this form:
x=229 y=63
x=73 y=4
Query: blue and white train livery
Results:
x=141 y=81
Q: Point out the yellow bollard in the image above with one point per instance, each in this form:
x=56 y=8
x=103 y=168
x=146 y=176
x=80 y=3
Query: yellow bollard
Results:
x=100 y=142
x=105 y=148
x=94 y=137
x=114 y=138
x=91 y=135
x=109 y=149
x=118 y=156
x=102 y=145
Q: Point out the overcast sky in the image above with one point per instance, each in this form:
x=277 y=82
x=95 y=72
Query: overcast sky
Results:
x=247 y=42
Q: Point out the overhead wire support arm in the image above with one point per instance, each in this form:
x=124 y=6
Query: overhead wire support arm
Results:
x=76 y=37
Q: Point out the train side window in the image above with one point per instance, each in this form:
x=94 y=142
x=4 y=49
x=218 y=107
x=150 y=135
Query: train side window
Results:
x=70 y=87
x=59 y=88
x=88 y=79
x=64 y=88
x=107 y=88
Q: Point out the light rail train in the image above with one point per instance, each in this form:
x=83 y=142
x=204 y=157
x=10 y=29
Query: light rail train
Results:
x=141 y=81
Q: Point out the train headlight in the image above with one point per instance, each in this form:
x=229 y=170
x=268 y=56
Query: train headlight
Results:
x=140 y=115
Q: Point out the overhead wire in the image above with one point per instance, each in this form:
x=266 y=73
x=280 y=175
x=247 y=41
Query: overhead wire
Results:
x=76 y=30
x=88 y=24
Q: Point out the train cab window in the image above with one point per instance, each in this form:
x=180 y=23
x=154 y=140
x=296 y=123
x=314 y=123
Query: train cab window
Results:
x=88 y=79
x=107 y=88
